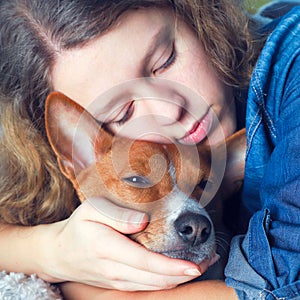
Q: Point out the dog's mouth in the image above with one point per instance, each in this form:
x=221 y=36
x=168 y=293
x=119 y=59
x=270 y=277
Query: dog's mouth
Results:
x=196 y=257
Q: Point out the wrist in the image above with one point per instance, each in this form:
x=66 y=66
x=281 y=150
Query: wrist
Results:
x=46 y=253
x=24 y=249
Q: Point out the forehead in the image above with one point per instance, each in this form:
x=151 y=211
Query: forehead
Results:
x=139 y=157
x=86 y=72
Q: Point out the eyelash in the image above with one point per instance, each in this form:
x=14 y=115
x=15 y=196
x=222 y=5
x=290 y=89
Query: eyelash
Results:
x=129 y=111
x=169 y=62
x=127 y=114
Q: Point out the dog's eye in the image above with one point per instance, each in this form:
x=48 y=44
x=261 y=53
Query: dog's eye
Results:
x=205 y=184
x=137 y=181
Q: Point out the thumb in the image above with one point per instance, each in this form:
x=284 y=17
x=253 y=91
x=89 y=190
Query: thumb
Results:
x=122 y=219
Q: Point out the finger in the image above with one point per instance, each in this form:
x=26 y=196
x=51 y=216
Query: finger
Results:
x=120 y=274
x=140 y=258
x=127 y=286
x=132 y=286
x=121 y=219
x=124 y=285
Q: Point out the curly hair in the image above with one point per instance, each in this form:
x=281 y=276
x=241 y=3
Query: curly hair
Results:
x=32 y=189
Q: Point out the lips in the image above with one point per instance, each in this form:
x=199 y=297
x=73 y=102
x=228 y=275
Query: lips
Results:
x=199 y=130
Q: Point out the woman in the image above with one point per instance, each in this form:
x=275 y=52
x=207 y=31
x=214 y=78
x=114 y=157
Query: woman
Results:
x=84 y=49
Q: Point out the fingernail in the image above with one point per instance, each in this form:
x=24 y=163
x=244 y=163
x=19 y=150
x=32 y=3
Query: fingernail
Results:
x=192 y=272
x=137 y=219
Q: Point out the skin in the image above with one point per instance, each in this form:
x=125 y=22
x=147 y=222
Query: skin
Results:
x=166 y=51
x=198 y=291
x=38 y=250
x=95 y=70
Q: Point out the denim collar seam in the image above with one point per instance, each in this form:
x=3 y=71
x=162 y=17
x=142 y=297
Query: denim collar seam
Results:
x=252 y=130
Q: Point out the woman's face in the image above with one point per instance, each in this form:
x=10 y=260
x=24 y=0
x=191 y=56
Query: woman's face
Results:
x=148 y=78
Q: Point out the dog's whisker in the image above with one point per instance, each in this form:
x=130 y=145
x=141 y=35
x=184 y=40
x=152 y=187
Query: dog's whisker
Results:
x=223 y=237
x=222 y=242
x=186 y=227
x=222 y=233
x=223 y=245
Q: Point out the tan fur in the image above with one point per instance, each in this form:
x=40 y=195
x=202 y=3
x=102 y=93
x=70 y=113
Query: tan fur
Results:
x=99 y=165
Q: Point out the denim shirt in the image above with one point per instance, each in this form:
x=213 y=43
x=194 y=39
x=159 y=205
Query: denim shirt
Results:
x=265 y=262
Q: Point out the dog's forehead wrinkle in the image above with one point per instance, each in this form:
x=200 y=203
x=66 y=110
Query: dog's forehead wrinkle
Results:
x=173 y=195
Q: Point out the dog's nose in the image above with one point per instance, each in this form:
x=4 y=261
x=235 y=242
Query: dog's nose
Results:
x=193 y=228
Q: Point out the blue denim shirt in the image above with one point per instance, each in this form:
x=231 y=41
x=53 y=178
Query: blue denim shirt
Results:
x=265 y=262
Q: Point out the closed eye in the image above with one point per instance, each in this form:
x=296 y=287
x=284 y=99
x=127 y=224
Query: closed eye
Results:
x=170 y=60
x=125 y=114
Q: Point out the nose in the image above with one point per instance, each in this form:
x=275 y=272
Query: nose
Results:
x=164 y=112
x=159 y=98
x=154 y=120
x=193 y=228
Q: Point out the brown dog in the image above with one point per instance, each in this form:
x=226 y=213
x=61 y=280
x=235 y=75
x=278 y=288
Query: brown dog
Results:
x=171 y=183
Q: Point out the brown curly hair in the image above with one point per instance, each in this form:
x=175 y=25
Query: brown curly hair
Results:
x=32 y=189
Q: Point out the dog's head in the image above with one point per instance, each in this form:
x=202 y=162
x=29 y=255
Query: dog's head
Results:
x=171 y=183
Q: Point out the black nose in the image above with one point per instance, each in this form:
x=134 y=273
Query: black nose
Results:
x=193 y=228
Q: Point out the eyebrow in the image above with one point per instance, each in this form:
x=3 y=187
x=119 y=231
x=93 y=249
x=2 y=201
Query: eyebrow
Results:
x=163 y=36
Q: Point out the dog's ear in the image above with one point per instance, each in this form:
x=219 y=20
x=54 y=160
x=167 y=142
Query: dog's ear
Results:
x=72 y=133
x=235 y=165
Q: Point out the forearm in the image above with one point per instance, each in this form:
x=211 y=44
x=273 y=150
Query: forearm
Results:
x=206 y=290
x=22 y=249
x=84 y=249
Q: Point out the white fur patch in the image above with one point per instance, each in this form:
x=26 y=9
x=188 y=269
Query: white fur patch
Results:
x=17 y=286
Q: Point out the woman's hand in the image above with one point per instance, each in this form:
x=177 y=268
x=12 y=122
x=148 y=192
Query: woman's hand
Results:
x=89 y=248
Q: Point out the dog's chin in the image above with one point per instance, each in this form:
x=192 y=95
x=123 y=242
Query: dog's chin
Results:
x=194 y=257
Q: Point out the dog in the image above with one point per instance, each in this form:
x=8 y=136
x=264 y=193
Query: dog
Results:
x=178 y=186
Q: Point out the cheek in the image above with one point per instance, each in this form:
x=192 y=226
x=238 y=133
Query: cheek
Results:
x=194 y=69
x=203 y=79
x=154 y=237
x=203 y=86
